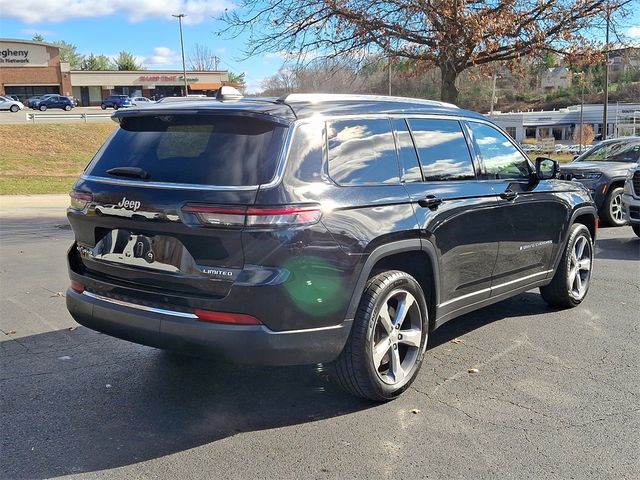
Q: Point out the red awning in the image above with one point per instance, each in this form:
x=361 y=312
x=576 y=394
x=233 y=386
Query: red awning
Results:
x=205 y=86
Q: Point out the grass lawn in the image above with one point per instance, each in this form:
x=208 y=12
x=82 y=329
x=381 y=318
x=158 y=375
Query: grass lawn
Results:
x=47 y=158
x=561 y=157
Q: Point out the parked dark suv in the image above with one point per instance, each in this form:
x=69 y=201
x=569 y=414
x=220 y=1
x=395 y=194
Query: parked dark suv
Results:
x=116 y=102
x=602 y=169
x=317 y=228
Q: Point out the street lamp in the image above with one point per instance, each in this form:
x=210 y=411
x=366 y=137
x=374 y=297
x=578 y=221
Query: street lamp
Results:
x=180 y=16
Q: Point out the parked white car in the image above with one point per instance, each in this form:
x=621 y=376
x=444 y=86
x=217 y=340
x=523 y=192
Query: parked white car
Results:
x=141 y=101
x=7 y=103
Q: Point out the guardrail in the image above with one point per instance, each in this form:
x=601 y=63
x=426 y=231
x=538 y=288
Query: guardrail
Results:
x=32 y=117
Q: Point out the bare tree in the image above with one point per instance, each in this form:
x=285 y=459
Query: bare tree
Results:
x=586 y=132
x=202 y=58
x=454 y=35
x=280 y=84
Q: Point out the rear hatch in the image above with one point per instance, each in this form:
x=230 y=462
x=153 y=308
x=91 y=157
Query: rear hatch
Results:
x=157 y=208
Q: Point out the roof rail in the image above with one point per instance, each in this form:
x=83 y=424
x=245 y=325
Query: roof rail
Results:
x=331 y=97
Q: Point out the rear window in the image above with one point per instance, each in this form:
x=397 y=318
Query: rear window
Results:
x=210 y=150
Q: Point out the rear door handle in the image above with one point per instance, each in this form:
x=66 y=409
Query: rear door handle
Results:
x=430 y=201
x=508 y=195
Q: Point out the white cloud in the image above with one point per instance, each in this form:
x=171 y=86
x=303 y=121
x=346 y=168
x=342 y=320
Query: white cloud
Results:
x=254 y=84
x=162 y=56
x=50 y=11
x=634 y=32
x=292 y=56
x=36 y=31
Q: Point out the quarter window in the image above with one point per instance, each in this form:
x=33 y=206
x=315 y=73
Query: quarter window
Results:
x=362 y=152
x=501 y=159
x=442 y=149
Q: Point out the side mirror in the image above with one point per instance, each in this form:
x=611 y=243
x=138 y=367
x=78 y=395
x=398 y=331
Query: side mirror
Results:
x=546 y=168
x=575 y=156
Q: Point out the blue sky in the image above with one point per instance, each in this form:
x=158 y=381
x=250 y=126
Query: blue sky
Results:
x=142 y=27
x=146 y=29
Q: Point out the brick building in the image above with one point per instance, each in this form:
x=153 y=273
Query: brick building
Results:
x=30 y=68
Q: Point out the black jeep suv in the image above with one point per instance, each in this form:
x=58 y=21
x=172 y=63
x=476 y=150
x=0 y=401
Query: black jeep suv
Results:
x=317 y=228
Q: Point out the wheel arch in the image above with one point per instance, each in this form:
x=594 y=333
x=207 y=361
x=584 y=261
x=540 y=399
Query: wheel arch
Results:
x=585 y=215
x=417 y=258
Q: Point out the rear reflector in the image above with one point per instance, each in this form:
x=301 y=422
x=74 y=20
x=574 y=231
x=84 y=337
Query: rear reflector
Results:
x=255 y=217
x=79 y=200
x=225 y=317
x=77 y=286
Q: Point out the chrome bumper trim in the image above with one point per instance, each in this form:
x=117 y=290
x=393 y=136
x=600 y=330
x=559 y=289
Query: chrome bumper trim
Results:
x=122 y=303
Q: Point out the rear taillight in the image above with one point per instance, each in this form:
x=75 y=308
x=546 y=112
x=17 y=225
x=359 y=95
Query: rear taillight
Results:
x=79 y=200
x=255 y=217
x=77 y=286
x=225 y=317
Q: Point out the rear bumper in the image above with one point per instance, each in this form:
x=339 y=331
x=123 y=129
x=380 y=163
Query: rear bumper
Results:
x=184 y=332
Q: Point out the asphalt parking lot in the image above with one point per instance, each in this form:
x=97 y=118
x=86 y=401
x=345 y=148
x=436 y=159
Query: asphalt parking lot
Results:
x=556 y=395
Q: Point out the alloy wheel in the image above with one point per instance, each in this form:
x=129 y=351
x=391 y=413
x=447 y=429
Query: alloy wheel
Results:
x=397 y=337
x=615 y=209
x=580 y=268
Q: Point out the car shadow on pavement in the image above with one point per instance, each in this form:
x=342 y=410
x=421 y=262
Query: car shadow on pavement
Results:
x=618 y=248
x=78 y=401
x=524 y=305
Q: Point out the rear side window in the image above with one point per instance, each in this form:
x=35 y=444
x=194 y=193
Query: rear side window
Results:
x=216 y=150
x=442 y=150
x=362 y=152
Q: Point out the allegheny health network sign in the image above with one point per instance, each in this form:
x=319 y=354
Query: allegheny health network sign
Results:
x=23 y=55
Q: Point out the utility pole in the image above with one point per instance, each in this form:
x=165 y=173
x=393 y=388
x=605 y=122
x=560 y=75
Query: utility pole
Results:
x=581 y=109
x=605 y=119
x=180 y=16
x=493 y=92
x=389 y=74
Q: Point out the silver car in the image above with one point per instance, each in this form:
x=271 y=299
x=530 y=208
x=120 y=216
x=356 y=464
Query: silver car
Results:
x=7 y=103
x=141 y=101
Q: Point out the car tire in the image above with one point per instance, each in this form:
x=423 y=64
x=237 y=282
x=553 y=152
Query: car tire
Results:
x=612 y=214
x=572 y=279
x=636 y=229
x=115 y=107
x=42 y=108
x=103 y=106
x=383 y=373
x=14 y=108
x=67 y=108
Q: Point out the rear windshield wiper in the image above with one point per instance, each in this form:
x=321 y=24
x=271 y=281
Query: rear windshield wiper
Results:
x=129 y=172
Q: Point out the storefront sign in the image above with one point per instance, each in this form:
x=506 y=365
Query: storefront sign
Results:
x=166 y=79
x=23 y=55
